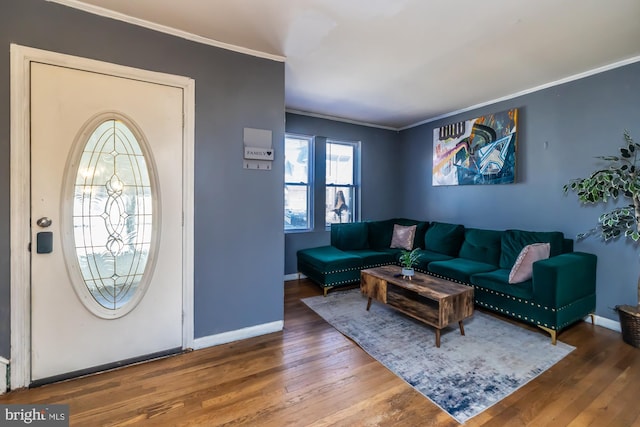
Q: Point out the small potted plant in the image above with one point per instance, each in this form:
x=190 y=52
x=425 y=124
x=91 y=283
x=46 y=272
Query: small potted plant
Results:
x=407 y=260
x=620 y=178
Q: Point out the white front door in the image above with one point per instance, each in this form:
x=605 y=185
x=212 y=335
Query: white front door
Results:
x=106 y=219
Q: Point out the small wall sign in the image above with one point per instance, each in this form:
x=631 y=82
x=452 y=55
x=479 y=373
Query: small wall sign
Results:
x=258 y=149
x=258 y=153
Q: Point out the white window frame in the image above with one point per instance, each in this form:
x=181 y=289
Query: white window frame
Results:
x=355 y=185
x=308 y=184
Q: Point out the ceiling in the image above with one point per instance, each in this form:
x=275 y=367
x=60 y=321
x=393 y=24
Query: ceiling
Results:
x=396 y=63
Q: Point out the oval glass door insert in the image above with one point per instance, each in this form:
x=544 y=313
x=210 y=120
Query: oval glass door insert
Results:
x=113 y=217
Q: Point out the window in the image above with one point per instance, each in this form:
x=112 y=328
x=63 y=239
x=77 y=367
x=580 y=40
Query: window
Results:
x=342 y=182
x=298 y=159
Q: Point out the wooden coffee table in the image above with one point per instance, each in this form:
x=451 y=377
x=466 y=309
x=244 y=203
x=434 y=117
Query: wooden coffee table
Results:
x=434 y=301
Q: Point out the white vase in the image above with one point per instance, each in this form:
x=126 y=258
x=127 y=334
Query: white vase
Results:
x=407 y=273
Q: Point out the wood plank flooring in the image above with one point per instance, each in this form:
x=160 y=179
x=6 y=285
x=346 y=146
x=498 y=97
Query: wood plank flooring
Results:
x=311 y=375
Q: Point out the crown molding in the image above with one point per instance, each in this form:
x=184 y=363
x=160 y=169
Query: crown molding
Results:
x=96 y=10
x=340 y=119
x=531 y=90
x=76 y=4
x=571 y=78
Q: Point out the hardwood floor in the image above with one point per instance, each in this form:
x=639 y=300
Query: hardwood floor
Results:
x=310 y=374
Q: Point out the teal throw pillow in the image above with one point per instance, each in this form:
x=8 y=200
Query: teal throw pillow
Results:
x=481 y=245
x=350 y=236
x=380 y=233
x=444 y=238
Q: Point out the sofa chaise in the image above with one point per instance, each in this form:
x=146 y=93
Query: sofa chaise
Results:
x=557 y=290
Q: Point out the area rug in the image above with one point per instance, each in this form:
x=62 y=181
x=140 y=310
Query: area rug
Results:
x=467 y=374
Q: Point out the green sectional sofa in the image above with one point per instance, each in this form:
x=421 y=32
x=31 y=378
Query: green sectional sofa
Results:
x=561 y=290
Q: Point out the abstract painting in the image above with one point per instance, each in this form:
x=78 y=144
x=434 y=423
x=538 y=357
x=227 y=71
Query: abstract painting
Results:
x=476 y=151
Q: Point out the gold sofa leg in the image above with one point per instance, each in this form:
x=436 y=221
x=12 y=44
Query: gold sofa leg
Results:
x=551 y=332
x=593 y=318
x=326 y=289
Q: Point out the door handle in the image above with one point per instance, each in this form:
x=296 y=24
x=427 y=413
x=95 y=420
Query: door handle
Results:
x=44 y=222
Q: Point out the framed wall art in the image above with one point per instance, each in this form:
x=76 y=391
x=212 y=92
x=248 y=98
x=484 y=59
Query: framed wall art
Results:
x=476 y=151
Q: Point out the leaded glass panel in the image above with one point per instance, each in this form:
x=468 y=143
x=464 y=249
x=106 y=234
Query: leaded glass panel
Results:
x=112 y=214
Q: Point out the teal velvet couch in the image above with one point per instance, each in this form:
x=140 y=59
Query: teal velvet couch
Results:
x=561 y=291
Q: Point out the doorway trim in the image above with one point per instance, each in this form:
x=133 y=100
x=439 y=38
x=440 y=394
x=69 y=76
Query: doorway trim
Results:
x=20 y=173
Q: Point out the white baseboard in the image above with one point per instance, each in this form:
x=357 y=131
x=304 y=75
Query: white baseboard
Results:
x=604 y=322
x=294 y=276
x=3 y=375
x=240 y=334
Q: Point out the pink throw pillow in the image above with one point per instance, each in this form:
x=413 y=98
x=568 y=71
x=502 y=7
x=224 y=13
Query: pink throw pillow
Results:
x=523 y=268
x=403 y=236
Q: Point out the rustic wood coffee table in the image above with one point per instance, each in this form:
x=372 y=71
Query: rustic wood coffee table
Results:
x=434 y=301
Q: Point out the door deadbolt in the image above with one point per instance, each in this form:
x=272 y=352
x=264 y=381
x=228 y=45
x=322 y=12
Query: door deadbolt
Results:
x=44 y=222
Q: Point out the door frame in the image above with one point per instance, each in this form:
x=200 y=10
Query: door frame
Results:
x=20 y=173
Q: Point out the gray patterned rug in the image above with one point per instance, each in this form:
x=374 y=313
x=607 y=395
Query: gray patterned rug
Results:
x=467 y=374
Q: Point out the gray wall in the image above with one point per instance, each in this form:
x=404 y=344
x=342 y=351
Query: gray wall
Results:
x=238 y=253
x=380 y=176
x=561 y=130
